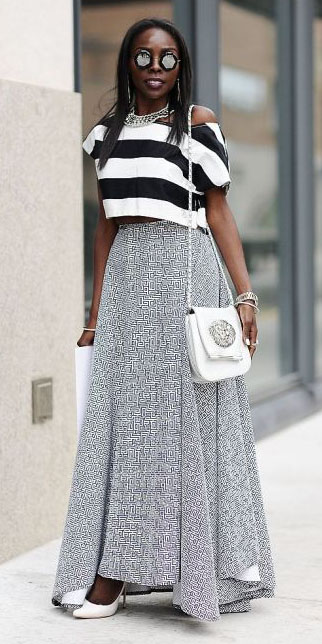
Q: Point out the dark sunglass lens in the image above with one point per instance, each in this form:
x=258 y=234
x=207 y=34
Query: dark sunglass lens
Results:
x=142 y=58
x=169 y=60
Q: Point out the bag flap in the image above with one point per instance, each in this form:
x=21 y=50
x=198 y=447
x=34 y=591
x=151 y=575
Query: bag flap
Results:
x=220 y=331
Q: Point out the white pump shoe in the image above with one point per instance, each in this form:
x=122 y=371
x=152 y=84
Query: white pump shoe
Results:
x=88 y=609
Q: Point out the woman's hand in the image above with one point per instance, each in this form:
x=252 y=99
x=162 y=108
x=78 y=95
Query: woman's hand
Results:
x=87 y=337
x=249 y=325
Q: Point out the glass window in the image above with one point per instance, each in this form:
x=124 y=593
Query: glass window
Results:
x=317 y=96
x=249 y=116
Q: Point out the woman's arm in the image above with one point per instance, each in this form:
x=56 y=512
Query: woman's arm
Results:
x=223 y=226
x=105 y=232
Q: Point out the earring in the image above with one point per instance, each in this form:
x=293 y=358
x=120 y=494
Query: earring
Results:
x=178 y=91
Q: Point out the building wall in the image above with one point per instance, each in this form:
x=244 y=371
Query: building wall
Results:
x=36 y=44
x=41 y=277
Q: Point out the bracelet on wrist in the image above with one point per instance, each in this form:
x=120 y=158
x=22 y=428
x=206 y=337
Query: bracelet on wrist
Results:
x=247 y=295
x=249 y=304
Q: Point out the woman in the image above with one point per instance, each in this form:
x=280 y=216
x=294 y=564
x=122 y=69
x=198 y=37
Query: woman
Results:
x=165 y=492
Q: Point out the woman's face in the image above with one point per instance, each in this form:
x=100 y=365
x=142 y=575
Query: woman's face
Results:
x=156 y=41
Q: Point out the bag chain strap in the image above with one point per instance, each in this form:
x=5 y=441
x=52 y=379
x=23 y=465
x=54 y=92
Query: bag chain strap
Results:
x=190 y=225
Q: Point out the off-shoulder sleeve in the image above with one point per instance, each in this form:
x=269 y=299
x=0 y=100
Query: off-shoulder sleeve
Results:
x=210 y=157
x=93 y=141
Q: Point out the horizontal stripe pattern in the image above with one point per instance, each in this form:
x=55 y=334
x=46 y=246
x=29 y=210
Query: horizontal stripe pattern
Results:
x=147 y=176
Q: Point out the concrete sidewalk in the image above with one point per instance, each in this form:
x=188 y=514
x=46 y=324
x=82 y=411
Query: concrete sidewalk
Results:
x=291 y=473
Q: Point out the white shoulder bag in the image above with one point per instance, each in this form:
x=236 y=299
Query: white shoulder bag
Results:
x=214 y=334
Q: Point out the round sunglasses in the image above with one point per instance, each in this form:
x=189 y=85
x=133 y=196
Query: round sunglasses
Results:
x=168 y=60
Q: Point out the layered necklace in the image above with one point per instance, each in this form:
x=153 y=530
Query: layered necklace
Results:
x=135 y=120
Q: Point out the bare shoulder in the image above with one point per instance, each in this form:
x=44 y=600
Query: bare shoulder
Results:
x=201 y=114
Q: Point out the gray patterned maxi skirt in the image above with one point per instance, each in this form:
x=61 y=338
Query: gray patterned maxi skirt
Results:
x=165 y=492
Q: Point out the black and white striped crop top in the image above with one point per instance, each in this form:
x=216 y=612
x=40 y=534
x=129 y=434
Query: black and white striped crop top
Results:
x=148 y=177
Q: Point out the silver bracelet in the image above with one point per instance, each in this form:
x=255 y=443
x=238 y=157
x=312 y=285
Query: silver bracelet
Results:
x=87 y=329
x=248 y=295
x=249 y=304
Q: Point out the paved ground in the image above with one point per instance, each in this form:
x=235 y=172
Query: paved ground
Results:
x=291 y=473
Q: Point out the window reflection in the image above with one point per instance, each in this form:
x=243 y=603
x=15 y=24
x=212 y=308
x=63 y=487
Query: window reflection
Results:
x=248 y=77
x=317 y=60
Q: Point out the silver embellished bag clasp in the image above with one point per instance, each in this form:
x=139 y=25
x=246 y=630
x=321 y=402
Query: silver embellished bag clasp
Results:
x=222 y=332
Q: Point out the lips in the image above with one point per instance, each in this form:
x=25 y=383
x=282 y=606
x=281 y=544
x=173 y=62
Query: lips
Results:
x=154 y=83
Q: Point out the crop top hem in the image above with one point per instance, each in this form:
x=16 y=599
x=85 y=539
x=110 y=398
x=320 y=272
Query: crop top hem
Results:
x=198 y=218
